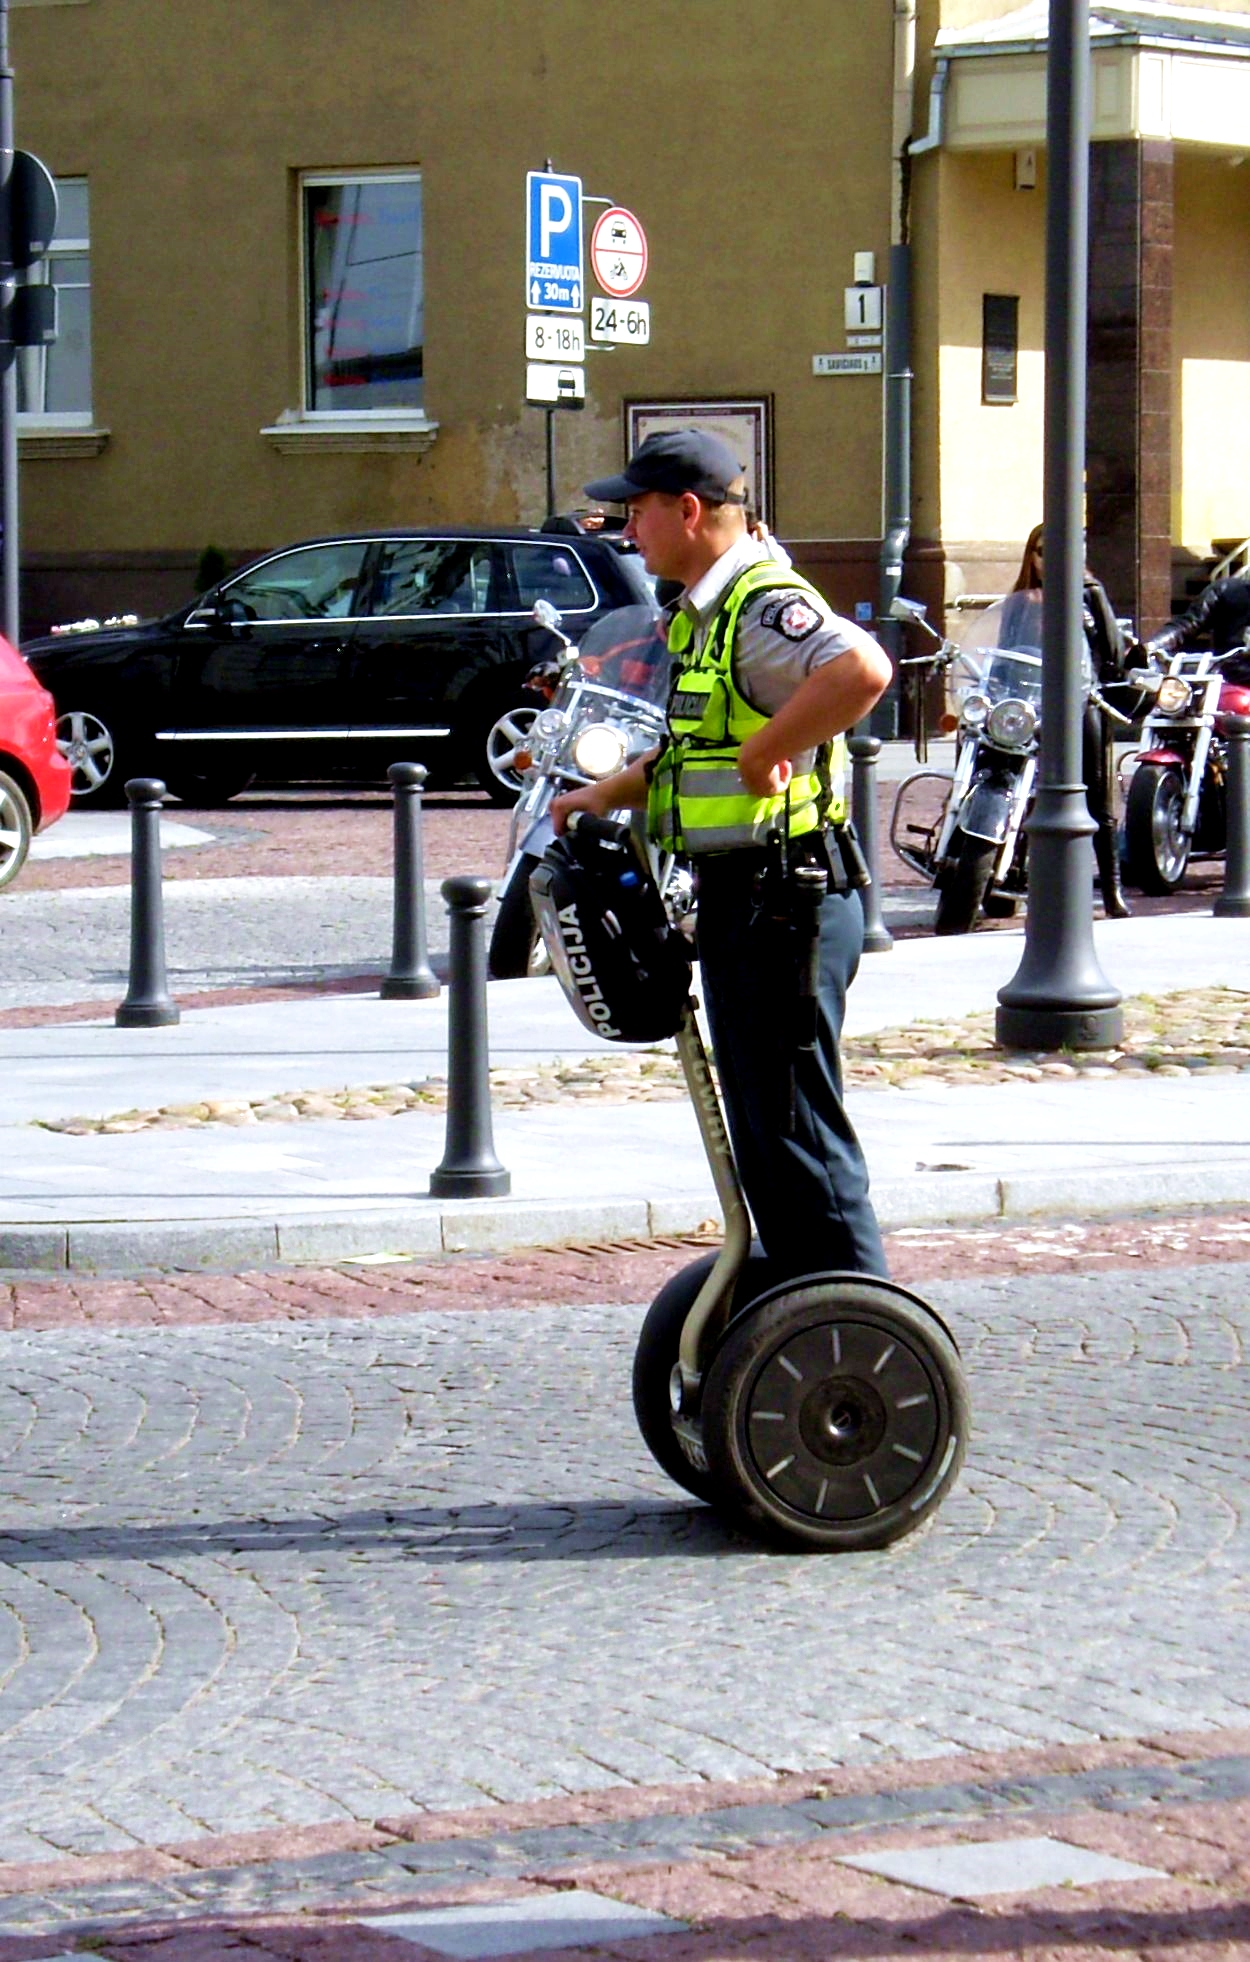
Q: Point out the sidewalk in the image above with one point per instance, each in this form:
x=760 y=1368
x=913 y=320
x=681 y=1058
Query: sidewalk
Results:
x=225 y=1195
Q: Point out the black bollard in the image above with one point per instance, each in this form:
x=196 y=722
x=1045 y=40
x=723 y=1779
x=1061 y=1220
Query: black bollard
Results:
x=411 y=977
x=864 y=753
x=469 y=1167
x=148 y=1003
x=1234 y=901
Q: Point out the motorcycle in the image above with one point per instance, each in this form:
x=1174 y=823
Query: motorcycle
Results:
x=975 y=850
x=605 y=706
x=1175 y=805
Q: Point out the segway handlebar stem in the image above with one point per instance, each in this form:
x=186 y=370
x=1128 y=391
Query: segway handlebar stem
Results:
x=712 y=1303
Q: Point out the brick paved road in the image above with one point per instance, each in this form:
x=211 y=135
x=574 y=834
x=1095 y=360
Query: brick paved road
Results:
x=269 y=1575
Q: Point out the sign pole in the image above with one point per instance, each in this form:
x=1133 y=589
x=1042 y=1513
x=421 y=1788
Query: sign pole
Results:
x=551 y=463
x=9 y=607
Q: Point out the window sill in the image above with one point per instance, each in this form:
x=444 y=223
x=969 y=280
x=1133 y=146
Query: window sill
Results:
x=35 y=441
x=296 y=435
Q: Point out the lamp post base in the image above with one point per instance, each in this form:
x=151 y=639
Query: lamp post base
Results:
x=1059 y=1028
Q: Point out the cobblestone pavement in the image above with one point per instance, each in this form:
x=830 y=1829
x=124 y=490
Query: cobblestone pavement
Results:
x=276 y=1576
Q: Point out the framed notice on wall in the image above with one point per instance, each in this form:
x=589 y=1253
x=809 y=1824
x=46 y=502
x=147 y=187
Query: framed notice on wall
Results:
x=1000 y=344
x=745 y=422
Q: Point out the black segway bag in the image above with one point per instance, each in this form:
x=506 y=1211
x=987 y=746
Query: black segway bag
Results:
x=623 y=965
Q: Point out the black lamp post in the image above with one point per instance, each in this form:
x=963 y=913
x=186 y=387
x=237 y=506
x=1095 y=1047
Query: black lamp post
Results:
x=1059 y=995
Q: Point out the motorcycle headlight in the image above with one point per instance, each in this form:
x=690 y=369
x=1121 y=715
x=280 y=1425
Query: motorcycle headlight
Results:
x=1012 y=723
x=973 y=711
x=599 y=750
x=549 y=724
x=1173 y=695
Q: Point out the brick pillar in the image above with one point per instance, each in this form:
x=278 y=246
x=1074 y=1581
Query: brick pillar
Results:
x=1129 y=415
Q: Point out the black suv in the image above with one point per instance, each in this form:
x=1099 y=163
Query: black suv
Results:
x=333 y=659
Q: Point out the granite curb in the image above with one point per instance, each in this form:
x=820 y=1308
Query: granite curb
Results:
x=234 y=1242
x=352 y=1871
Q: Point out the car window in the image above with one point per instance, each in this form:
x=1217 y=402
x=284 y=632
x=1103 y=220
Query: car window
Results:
x=314 y=582
x=550 y=572
x=432 y=575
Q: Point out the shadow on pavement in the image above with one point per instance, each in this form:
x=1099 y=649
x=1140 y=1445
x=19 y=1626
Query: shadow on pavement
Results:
x=581 y=1529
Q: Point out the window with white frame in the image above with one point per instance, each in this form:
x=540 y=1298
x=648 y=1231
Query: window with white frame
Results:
x=364 y=293
x=54 y=382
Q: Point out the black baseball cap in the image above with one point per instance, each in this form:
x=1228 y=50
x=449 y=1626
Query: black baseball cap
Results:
x=676 y=460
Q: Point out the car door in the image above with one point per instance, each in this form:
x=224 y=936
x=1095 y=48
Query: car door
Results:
x=261 y=675
x=430 y=657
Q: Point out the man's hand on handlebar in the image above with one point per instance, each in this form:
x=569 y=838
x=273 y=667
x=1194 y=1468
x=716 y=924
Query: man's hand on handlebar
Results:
x=587 y=798
x=626 y=791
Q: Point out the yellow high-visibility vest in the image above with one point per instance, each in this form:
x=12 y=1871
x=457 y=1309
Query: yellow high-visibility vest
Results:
x=697 y=801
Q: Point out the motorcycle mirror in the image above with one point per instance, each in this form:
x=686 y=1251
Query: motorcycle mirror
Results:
x=907 y=609
x=545 y=614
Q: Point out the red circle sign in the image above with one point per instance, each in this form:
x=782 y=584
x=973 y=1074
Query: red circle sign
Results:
x=618 y=252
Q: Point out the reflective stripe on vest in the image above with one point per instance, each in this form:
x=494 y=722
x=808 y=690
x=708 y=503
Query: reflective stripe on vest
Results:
x=697 y=800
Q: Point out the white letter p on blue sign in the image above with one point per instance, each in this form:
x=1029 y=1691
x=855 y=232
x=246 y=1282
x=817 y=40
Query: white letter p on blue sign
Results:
x=554 y=277
x=557 y=208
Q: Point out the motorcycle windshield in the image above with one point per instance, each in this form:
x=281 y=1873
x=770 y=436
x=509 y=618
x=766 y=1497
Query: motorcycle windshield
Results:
x=1000 y=655
x=627 y=650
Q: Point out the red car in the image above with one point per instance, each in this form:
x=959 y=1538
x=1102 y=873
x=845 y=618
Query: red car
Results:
x=34 y=776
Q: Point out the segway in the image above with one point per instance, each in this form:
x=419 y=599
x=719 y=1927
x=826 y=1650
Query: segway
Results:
x=827 y=1412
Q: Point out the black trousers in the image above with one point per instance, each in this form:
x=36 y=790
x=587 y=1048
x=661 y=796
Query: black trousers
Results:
x=806 y=1184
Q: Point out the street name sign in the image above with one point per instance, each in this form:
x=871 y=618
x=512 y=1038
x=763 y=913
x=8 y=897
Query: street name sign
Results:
x=551 y=385
x=846 y=364
x=618 y=252
x=622 y=321
x=550 y=338
x=555 y=278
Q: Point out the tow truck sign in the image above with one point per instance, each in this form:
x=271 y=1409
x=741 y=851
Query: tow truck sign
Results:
x=555 y=279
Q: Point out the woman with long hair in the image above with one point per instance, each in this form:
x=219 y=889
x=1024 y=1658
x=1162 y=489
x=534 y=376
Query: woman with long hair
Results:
x=1107 y=649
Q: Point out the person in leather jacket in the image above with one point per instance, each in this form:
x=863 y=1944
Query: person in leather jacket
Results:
x=1220 y=613
x=1108 y=650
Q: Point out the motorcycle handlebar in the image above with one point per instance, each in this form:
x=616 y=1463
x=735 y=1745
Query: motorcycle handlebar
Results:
x=608 y=830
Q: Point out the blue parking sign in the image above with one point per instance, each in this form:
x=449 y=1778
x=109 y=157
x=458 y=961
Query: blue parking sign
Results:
x=554 y=278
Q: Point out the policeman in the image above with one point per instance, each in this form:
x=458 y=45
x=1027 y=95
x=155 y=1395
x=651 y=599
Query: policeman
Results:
x=751 y=786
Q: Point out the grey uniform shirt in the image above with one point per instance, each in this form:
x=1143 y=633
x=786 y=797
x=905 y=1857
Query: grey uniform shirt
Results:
x=782 y=637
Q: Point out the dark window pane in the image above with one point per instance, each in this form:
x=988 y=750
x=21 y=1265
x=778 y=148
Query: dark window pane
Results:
x=551 y=572
x=366 y=294
x=318 y=582
x=1000 y=342
x=430 y=575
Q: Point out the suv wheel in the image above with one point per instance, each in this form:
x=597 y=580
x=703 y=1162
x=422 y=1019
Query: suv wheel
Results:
x=496 y=769
x=90 y=748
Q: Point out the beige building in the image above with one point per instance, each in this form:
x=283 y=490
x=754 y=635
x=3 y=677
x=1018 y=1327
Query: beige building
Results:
x=292 y=261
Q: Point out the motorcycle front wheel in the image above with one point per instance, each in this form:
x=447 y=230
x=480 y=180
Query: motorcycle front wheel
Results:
x=1156 y=850
x=963 y=883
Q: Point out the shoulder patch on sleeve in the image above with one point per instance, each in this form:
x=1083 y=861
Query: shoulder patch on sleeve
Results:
x=794 y=617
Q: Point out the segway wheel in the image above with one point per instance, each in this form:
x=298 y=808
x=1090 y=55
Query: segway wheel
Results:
x=835 y=1415
x=656 y=1355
